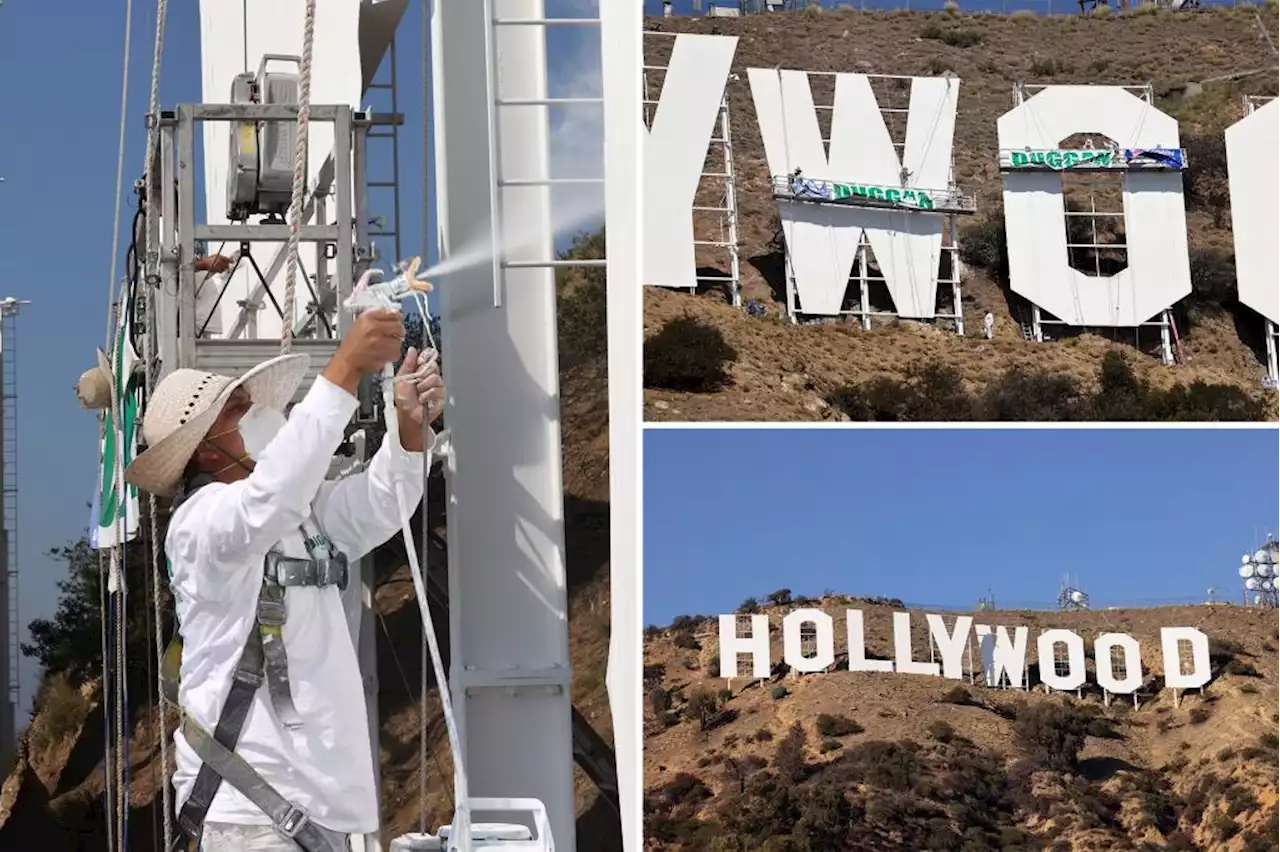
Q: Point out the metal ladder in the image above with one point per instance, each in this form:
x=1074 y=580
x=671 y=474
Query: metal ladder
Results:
x=497 y=103
x=391 y=134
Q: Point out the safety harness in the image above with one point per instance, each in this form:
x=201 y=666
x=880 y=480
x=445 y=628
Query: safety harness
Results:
x=263 y=659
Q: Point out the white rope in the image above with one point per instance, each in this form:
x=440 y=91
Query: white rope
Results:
x=426 y=320
x=462 y=806
x=112 y=285
x=299 y=176
x=153 y=129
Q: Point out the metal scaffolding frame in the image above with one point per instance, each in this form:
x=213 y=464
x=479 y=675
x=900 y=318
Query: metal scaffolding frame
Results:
x=180 y=341
x=723 y=212
x=949 y=203
x=1040 y=318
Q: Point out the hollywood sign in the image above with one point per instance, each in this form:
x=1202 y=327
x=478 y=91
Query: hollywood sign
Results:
x=1003 y=655
x=823 y=240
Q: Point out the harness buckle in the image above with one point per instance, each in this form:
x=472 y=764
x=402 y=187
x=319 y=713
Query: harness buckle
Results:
x=294 y=820
x=271 y=613
x=248 y=676
x=337 y=571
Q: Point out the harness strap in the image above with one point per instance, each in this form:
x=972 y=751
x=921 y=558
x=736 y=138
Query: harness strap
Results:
x=244 y=685
x=290 y=820
x=270 y=623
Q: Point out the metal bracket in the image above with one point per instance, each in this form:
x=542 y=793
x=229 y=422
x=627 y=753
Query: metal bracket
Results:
x=516 y=680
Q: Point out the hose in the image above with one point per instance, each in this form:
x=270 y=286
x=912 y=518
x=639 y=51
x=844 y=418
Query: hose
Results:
x=461 y=832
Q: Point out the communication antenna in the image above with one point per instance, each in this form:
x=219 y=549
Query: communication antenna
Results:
x=9 y=527
x=988 y=602
x=1259 y=570
x=1071 y=597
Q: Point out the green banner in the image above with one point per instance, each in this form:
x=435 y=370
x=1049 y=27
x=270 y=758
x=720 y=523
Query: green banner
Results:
x=1062 y=159
x=907 y=197
x=117 y=436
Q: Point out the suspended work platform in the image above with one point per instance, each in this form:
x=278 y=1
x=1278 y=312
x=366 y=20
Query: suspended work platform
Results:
x=1093 y=159
x=818 y=191
x=184 y=328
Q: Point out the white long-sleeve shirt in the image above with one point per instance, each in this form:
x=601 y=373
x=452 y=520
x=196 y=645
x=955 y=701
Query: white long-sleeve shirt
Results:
x=216 y=544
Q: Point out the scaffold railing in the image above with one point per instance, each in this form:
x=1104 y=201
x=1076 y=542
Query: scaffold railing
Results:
x=819 y=191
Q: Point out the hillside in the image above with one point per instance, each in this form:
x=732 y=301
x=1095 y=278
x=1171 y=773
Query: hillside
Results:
x=785 y=372
x=875 y=761
x=55 y=791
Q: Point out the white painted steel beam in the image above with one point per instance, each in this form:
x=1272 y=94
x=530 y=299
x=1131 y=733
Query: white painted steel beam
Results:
x=625 y=178
x=508 y=601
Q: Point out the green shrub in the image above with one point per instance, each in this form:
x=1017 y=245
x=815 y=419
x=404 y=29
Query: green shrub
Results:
x=778 y=693
x=687 y=354
x=837 y=726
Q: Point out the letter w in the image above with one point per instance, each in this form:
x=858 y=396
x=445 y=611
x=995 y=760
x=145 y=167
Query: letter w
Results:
x=822 y=241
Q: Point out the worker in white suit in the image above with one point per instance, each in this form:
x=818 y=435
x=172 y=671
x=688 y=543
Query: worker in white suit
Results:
x=273 y=752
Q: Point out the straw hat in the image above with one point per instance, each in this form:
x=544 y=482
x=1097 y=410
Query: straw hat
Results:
x=187 y=402
x=95 y=389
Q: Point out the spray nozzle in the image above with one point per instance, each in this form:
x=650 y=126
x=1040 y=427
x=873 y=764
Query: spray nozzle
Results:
x=372 y=292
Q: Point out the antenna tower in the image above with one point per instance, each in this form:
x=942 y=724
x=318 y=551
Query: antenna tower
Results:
x=1258 y=571
x=1071 y=597
x=9 y=526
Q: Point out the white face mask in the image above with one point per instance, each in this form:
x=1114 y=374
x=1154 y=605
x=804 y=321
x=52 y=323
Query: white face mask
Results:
x=258 y=427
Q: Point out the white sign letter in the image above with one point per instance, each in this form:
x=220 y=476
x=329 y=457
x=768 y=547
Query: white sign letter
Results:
x=675 y=151
x=822 y=240
x=951 y=646
x=1001 y=656
x=1252 y=175
x=858 y=661
x=1074 y=677
x=1158 y=272
x=757 y=645
x=793 y=647
x=902 y=648
x=1170 y=639
x=1132 y=663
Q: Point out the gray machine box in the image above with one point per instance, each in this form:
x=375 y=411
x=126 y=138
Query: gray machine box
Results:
x=260 y=180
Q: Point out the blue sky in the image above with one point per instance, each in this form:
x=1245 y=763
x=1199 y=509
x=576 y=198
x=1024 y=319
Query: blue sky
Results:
x=58 y=159
x=938 y=516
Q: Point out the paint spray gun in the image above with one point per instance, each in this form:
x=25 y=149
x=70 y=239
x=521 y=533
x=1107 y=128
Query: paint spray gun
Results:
x=371 y=293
